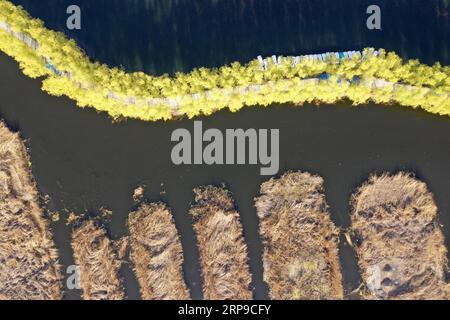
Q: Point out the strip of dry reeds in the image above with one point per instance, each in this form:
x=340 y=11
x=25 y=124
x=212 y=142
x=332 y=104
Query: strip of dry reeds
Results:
x=29 y=267
x=300 y=241
x=156 y=252
x=398 y=239
x=96 y=256
x=223 y=252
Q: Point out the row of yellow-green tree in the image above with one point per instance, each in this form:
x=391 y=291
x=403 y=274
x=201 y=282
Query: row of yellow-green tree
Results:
x=142 y=96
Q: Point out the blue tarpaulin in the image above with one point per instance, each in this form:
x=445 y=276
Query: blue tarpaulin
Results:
x=53 y=68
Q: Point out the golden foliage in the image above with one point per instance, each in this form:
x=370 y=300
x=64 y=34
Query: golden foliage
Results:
x=204 y=91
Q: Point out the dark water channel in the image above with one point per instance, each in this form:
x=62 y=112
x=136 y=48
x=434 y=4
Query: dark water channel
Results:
x=160 y=36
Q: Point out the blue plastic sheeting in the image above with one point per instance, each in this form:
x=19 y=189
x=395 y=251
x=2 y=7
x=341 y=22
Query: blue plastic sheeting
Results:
x=325 y=57
x=52 y=67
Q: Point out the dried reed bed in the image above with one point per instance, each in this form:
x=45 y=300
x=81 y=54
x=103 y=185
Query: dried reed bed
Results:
x=223 y=252
x=96 y=256
x=300 y=241
x=156 y=252
x=29 y=267
x=398 y=239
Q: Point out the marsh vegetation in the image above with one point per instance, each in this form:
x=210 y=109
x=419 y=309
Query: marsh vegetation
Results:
x=399 y=240
x=29 y=266
x=97 y=257
x=156 y=253
x=300 y=241
x=223 y=251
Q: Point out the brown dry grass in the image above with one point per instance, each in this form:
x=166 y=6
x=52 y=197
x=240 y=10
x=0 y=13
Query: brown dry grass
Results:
x=300 y=241
x=29 y=267
x=398 y=239
x=96 y=256
x=156 y=252
x=223 y=252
